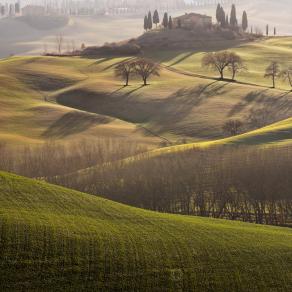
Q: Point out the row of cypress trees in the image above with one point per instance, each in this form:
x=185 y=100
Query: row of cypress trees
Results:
x=149 y=20
x=224 y=20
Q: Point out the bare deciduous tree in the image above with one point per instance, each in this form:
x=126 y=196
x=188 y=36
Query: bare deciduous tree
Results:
x=236 y=65
x=59 y=43
x=124 y=70
x=286 y=75
x=145 y=68
x=273 y=72
x=218 y=61
x=233 y=127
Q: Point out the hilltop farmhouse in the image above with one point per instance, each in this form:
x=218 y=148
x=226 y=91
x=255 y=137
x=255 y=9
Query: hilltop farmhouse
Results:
x=192 y=21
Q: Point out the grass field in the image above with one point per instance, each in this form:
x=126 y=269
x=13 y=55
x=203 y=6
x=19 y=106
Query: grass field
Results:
x=175 y=106
x=278 y=134
x=65 y=240
x=256 y=55
x=24 y=86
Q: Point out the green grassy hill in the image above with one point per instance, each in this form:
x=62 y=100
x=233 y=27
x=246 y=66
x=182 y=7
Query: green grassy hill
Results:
x=56 y=239
x=257 y=56
x=276 y=134
x=26 y=83
x=177 y=105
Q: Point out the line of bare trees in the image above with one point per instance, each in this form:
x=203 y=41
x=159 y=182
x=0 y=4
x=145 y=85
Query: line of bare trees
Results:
x=238 y=184
x=56 y=158
x=247 y=184
x=274 y=72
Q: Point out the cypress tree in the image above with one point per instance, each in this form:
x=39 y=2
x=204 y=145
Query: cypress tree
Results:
x=275 y=31
x=222 y=17
x=218 y=13
x=156 y=18
x=227 y=20
x=170 y=23
x=165 y=20
x=233 y=19
x=267 y=30
x=145 y=23
x=244 y=21
x=149 y=20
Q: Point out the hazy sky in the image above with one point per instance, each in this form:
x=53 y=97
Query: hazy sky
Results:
x=18 y=37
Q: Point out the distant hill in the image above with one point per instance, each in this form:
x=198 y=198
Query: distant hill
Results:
x=21 y=38
x=56 y=239
x=44 y=22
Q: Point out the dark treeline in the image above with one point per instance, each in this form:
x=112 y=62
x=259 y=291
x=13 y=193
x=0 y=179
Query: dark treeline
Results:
x=242 y=183
x=237 y=184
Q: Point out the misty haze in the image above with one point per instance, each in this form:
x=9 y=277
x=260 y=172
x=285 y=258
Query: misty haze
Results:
x=146 y=145
x=97 y=22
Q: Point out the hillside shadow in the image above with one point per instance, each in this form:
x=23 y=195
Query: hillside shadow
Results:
x=73 y=123
x=161 y=114
x=188 y=55
x=276 y=103
x=43 y=82
x=247 y=100
x=203 y=47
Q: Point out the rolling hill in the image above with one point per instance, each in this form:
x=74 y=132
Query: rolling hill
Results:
x=53 y=92
x=25 y=84
x=62 y=240
x=21 y=37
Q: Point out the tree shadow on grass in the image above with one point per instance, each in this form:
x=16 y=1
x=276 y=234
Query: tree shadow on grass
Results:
x=74 y=122
x=265 y=98
x=161 y=115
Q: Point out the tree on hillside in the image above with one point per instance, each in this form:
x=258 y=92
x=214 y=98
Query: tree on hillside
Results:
x=146 y=68
x=233 y=127
x=233 y=19
x=244 y=21
x=286 y=75
x=218 y=61
x=227 y=20
x=222 y=17
x=149 y=20
x=170 y=24
x=275 y=31
x=218 y=13
x=156 y=18
x=59 y=43
x=267 y=30
x=165 y=20
x=145 y=23
x=125 y=70
x=236 y=65
x=273 y=72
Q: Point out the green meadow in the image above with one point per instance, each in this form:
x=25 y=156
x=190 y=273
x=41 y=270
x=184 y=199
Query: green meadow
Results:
x=66 y=240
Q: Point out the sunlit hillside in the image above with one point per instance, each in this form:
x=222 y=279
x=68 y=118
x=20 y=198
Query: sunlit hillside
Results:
x=67 y=240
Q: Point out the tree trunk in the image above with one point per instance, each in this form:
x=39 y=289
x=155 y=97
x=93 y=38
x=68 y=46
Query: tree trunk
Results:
x=221 y=75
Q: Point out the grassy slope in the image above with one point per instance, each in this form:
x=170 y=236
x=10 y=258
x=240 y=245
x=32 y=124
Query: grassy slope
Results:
x=177 y=105
x=25 y=84
x=276 y=134
x=257 y=56
x=53 y=238
x=174 y=106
